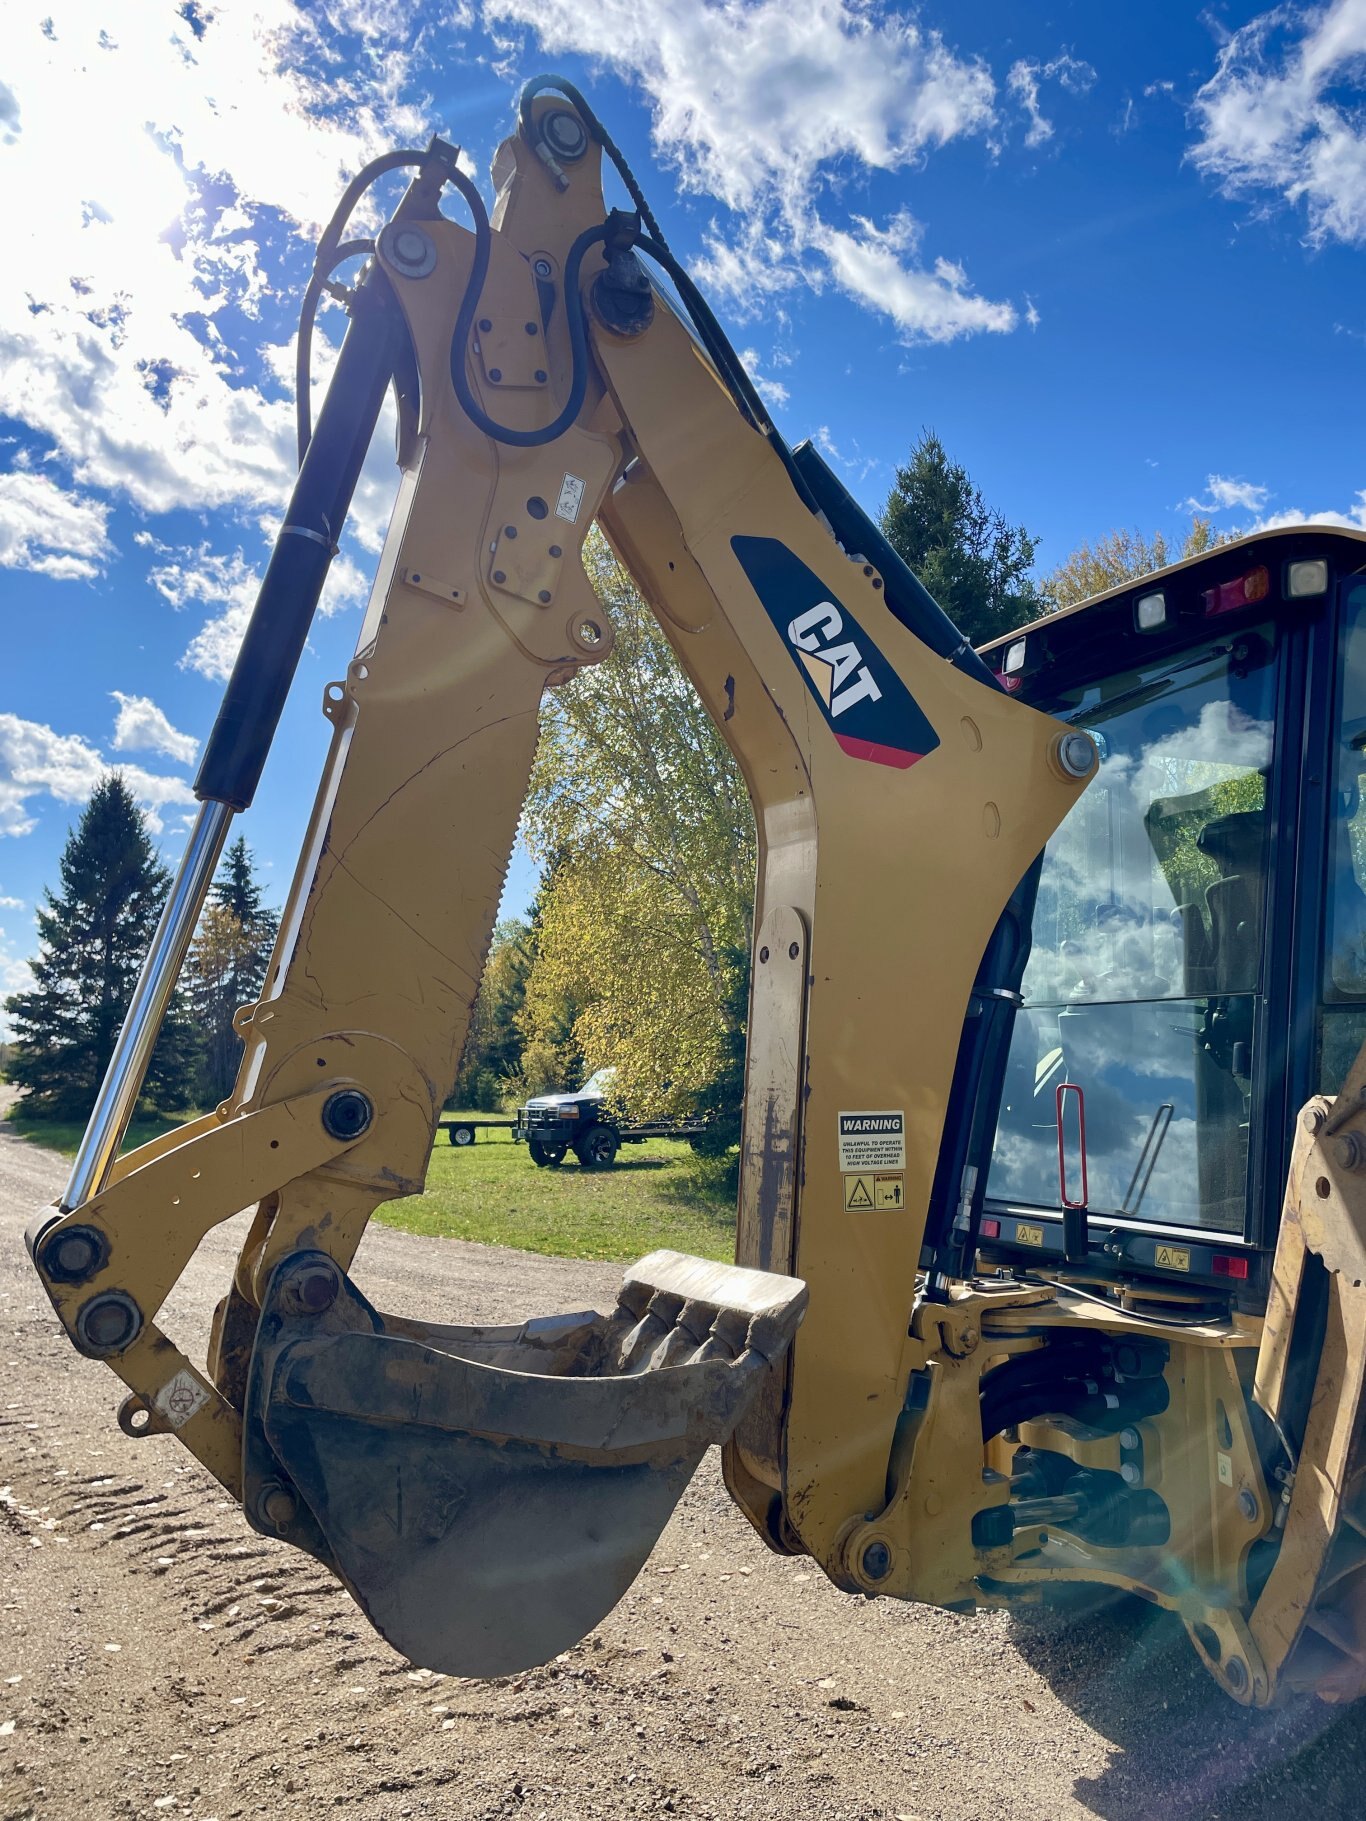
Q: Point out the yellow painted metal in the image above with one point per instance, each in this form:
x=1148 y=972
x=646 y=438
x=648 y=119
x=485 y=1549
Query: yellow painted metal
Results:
x=152 y=1217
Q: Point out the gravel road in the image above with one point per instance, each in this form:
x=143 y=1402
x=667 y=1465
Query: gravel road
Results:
x=157 y=1658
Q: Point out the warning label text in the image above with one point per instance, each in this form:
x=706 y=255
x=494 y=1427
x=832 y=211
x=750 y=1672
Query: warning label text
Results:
x=872 y=1141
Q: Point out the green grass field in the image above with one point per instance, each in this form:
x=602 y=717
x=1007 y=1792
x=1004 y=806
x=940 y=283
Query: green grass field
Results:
x=657 y=1194
x=65 y=1135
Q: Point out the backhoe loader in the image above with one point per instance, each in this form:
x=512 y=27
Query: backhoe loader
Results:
x=1052 y=1216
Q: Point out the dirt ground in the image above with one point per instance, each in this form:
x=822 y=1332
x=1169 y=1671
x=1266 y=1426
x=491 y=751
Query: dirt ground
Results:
x=157 y=1658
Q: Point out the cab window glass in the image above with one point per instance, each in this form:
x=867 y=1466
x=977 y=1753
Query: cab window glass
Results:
x=1147 y=948
x=1346 y=935
x=1342 y=1021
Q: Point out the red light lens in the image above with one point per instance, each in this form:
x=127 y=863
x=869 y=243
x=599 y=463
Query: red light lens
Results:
x=990 y=1229
x=1243 y=591
x=1225 y=1266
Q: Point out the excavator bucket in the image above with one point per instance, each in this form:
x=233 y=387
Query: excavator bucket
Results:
x=488 y=1494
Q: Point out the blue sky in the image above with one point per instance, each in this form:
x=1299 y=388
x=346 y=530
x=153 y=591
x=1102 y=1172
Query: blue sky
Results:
x=1112 y=254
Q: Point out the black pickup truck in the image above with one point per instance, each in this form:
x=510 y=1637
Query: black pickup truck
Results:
x=552 y=1125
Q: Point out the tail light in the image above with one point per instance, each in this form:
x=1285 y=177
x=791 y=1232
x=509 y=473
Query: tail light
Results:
x=1243 y=591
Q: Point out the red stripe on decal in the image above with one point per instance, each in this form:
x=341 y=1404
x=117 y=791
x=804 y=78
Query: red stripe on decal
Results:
x=879 y=755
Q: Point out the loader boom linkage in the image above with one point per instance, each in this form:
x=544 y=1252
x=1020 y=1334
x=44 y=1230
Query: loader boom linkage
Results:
x=488 y=1494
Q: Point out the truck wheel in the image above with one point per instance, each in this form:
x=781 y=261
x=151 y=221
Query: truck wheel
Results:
x=546 y=1156
x=597 y=1149
x=461 y=1134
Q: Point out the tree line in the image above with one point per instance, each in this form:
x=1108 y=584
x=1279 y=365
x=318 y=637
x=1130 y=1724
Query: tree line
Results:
x=93 y=931
x=635 y=953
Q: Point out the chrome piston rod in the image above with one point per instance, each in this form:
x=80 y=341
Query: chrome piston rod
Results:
x=128 y=1065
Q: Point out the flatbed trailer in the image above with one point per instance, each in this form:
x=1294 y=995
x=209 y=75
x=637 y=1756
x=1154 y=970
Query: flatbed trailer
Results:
x=461 y=1131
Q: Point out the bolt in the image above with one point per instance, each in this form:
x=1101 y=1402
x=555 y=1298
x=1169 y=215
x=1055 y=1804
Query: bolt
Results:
x=1348 y=1151
x=564 y=133
x=313 y=1288
x=877 y=1562
x=509 y=531
x=793 y=950
x=530 y=327
x=540 y=376
x=277 y=1506
x=1247 y=1504
x=544 y=597
x=1313 y=1119
x=542 y=268
x=484 y=324
x=500 y=576
x=347 y=1113
x=555 y=550
x=1235 y=1673
x=1076 y=754
x=1128 y=1438
x=74 y=1255
x=495 y=374
x=410 y=249
x=109 y=1323
x=1129 y=1473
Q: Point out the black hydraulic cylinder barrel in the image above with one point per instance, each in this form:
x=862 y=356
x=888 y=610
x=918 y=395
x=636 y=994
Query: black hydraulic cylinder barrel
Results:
x=907 y=596
x=255 y=696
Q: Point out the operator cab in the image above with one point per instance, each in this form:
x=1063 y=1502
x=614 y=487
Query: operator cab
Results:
x=1198 y=963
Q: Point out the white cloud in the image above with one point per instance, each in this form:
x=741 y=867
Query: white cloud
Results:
x=1353 y=519
x=878 y=268
x=142 y=727
x=1227 y=495
x=769 y=108
x=1023 y=82
x=11 y=903
x=1276 y=118
x=858 y=463
x=50 y=531
x=229 y=583
x=37 y=761
x=201 y=131
x=772 y=391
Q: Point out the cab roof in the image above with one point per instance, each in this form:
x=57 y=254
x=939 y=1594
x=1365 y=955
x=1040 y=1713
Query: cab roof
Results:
x=1274 y=548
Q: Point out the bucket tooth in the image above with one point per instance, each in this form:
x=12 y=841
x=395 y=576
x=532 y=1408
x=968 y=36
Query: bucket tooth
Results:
x=488 y=1494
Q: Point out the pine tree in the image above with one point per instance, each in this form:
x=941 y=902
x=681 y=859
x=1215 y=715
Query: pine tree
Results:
x=227 y=966
x=974 y=564
x=93 y=936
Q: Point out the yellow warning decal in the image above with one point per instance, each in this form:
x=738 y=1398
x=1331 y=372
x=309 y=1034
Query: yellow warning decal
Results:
x=1173 y=1258
x=1028 y=1236
x=868 y=1191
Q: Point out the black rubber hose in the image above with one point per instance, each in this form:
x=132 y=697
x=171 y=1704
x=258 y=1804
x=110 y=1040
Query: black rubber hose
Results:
x=578 y=342
x=331 y=251
x=559 y=85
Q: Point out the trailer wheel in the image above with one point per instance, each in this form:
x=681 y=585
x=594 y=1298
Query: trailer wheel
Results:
x=461 y=1134
x=597 y=1149
x=546 y=1156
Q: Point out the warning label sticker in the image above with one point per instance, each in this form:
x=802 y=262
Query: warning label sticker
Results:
x=571 y=498
x=862 y=1190
x=181 y=1398
x=872 y=1141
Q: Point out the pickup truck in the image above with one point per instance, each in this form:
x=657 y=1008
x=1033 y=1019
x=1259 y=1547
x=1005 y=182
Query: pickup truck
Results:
x=552 y=1125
